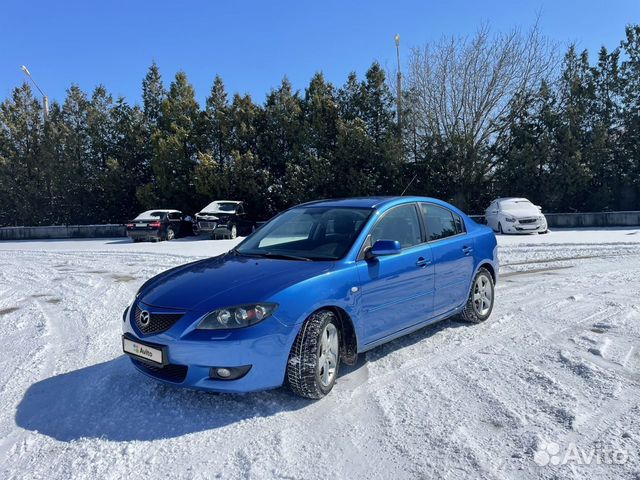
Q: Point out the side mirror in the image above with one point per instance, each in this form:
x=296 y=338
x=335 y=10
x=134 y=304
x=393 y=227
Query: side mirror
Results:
x=539 y=207
x=385 y=247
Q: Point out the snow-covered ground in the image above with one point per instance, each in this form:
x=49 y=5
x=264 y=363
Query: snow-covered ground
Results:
x=558 y=361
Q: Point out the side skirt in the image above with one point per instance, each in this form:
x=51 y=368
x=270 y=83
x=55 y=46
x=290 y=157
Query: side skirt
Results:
x=411 y=329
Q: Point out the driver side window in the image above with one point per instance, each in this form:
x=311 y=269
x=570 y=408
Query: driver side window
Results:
x=401 y=224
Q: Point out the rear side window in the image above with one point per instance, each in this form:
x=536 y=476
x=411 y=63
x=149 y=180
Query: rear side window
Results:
x=440 y=222
x=401 y=224
x=459 y=223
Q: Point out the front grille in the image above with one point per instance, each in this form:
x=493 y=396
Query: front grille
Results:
x=157 y=322
x=525 y=221
x=171 y=373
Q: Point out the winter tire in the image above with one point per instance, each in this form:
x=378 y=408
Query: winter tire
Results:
x=481 y=297
x=315 y=356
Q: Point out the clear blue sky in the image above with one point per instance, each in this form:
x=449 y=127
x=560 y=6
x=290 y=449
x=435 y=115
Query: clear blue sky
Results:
x=252 y=45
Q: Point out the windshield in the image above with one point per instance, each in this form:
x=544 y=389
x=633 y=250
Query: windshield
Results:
x=151 y=215
x=215 y=207
x=311 y=233
x=520 y=204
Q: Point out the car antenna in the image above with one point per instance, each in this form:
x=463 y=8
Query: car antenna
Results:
x=408 y=185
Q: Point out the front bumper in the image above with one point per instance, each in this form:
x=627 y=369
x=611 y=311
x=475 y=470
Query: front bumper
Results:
x=191 y=354
x=525 y=228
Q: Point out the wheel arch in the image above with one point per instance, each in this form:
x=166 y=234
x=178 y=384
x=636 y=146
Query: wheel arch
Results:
x=487 y=265
x=349 y=337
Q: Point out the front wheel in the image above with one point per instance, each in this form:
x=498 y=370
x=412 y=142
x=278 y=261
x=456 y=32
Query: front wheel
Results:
x=233 y=232
x=480 y=302
x=315 y=356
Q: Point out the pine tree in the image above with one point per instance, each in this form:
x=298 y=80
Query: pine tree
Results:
x=176 y=147
x=216 y=128
x=153 y=94
x=21 y=168
x=630 y=73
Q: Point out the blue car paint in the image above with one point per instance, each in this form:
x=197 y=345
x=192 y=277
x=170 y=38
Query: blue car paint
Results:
x=385 y=298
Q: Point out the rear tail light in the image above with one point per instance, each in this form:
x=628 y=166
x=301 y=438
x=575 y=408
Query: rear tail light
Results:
x=129 y=225
x=154 y=224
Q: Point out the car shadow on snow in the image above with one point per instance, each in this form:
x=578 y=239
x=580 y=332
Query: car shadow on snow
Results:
x=112 y=401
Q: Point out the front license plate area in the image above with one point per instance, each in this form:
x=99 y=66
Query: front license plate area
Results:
x=144 y=351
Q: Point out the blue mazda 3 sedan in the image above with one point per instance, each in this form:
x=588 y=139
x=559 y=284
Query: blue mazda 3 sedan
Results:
x=309 y=290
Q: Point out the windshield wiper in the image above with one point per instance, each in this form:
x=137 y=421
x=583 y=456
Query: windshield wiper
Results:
x=284 y=256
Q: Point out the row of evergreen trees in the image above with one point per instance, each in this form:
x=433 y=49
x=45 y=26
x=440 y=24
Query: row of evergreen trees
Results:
x=99 y=159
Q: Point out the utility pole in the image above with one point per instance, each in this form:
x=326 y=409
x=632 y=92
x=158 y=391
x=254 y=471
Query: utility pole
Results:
x=399 y=86
x=45 y=99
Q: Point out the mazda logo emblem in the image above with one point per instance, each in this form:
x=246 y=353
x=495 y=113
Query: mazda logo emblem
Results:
x=145 y=318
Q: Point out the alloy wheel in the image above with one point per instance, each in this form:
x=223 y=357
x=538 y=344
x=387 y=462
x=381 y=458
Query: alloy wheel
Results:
x=328 y=354
x=482 y=295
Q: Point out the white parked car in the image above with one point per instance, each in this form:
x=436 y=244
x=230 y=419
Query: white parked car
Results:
x=515 y=215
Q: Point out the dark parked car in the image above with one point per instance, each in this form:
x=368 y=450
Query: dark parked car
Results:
x=224 y=219
x=159 y=225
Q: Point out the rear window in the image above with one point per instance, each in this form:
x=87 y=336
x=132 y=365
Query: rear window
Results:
x=151 y=215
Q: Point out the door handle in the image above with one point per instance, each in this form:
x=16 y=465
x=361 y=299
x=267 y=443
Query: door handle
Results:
x=467 y=250
x=423 y=262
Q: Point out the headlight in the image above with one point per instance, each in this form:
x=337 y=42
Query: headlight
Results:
x=509 y=219
x=542 y=219
x=236 y=317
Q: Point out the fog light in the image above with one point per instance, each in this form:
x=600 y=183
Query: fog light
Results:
x=229 y=373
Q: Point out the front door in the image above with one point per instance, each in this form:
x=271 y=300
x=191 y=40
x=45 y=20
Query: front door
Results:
x=396 y=290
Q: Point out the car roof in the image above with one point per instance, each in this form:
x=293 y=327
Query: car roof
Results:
x=512 y=199
x=369 y=202
x=161 y=210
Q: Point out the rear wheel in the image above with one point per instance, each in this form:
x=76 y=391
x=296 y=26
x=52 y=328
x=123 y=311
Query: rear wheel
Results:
x=170 y=234
x=315 y=357
x=233 y=232
x=480 y=302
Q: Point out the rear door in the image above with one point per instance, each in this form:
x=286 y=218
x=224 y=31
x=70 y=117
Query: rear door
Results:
x=396 y=290
x=452 y=251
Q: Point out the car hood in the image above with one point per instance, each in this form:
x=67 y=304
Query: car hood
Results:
x=522 y=212
x=226 y=280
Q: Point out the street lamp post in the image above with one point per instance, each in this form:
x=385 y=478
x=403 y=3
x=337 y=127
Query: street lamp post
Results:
x=399 y=86
x=45 y=99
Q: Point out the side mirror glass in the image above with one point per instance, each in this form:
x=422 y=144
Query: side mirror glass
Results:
x=385 y=247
